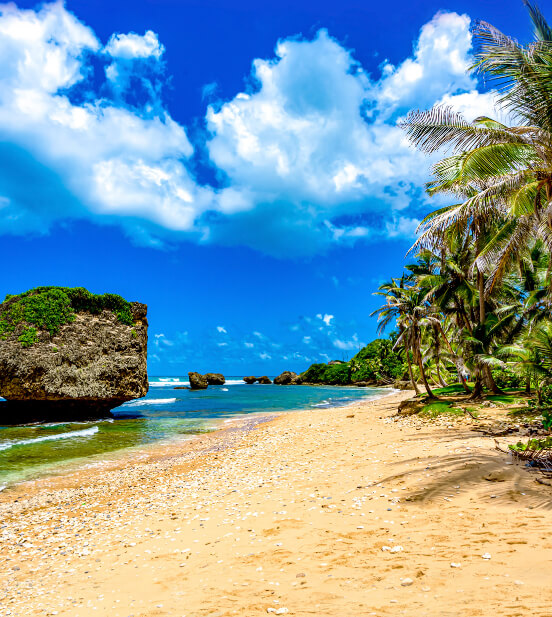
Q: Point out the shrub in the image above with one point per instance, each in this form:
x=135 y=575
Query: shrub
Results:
x=49 y=308
x=332 y=374
x=506 y=379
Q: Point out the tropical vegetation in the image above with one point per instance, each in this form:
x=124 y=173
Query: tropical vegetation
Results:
x=474 y=305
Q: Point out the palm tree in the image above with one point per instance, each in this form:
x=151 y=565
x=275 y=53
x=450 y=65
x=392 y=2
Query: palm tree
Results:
x=409 y=307
x=501 y=173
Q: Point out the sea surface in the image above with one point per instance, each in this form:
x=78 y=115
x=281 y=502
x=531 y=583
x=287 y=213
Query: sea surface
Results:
x=33 y=450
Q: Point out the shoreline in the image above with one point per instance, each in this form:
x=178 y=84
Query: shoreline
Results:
x=342 y=511
x=116 y=459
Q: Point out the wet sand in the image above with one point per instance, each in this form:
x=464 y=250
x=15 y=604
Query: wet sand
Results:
x=338 y=512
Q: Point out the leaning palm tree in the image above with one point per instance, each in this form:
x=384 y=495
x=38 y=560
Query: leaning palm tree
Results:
x=409 y=307
x=500 y=172
x=394 y=310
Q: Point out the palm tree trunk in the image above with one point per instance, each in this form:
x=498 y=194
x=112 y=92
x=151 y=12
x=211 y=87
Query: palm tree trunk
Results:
x=414 y=384
x=485 y=370
x=528 y=385
x=420 y=362
x=440 y=379
x=460 y=374
x=477 y=387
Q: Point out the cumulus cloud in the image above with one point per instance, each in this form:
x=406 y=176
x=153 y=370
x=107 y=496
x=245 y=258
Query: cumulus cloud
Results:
x=316 y=140
x=309 y=155
x=131 y=46
x=70 y=151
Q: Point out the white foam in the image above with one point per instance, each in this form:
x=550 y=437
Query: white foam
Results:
x=87 y=432
x=150 y=401
x=168 y=382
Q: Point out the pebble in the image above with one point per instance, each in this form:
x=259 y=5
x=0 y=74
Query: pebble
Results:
x=486 y=555
x=406 y=582
x=455 y=564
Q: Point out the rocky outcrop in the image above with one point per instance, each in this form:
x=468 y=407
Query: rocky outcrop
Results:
x=197 y=381
x=215 y=379
x=287 y=378
x=264 y=380
x=89 y=363
x=250 y=379
x=335 y=362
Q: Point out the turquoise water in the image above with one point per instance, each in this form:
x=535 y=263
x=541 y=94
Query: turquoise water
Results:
x=31 y=451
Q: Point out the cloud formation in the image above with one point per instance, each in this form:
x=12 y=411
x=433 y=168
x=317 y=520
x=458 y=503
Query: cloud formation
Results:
x=309 y=155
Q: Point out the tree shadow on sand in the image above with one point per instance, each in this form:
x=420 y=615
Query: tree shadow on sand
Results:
x=490 y=477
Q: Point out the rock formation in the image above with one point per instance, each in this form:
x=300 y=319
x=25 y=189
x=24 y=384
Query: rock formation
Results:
x=264 y=380
x=250 y=379
x=215 y=379
x=68 y=354
x=287 y=378
x=197 y=381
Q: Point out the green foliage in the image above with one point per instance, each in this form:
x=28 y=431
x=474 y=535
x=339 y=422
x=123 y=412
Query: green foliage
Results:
x=331 y=374
x=532 y=444
x=456 y=388
x=507 y=379
x=28 y=337
x=544 y=404
x=439 y=407
x=376 y=362
x=49 y=308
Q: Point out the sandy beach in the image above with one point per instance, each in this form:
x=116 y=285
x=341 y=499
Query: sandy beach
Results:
x=339 y=512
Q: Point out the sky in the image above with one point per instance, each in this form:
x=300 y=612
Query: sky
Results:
x=237 y=166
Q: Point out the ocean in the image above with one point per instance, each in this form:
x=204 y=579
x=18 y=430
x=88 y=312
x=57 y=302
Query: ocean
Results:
x=35 y=450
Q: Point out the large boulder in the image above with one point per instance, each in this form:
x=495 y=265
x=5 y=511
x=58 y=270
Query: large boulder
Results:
x=287 y=378
x=68 y=354
x=264 y=380
x=197 y=381
x=215 y=379
x=251 y=379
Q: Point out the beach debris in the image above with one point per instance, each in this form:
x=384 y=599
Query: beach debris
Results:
x=277 y=611
x=454 y=564
x=486 y=555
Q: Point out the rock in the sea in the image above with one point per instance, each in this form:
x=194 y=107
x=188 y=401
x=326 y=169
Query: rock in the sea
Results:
x=264 y=380
x=68 y=354
x=197 y=381
x=215 y=379
x=250 y=379
x=287 y=378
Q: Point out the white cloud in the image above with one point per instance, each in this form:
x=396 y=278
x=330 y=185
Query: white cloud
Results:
x=131 y=46
x=325 y=318
x=85 y=155
x=310 y=153
x=349 y=345
x=301 y=144
x=222 y=330
x=439 y=65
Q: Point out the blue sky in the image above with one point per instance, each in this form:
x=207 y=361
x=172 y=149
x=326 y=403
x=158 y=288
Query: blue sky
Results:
x=235 y=165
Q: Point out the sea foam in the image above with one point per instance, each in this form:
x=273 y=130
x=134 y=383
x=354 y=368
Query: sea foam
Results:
x=86 y=432
x=150 y=401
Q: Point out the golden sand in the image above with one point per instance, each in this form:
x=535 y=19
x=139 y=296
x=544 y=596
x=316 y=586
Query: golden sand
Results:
x=340 y=512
